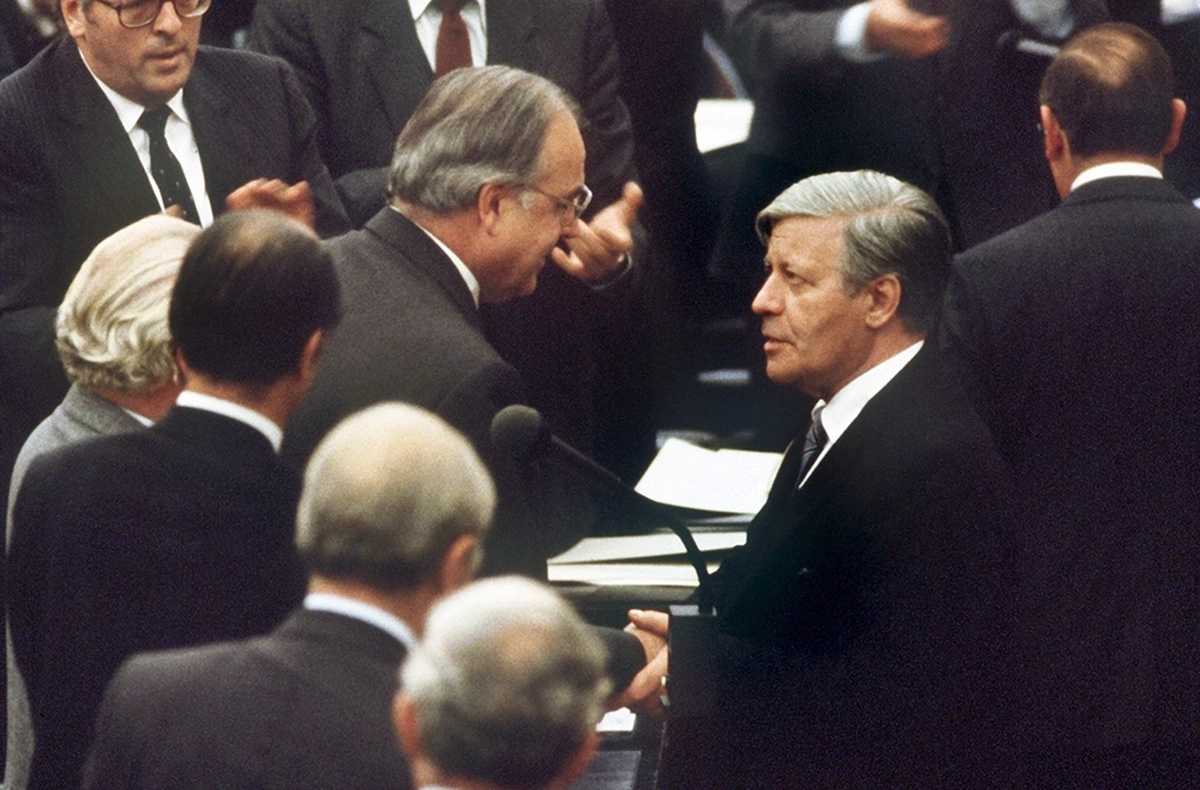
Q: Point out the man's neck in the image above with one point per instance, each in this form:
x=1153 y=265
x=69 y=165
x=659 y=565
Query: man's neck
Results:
x=411 y=606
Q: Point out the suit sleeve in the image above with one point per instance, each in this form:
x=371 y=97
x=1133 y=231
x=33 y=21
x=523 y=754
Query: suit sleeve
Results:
x=773 y=41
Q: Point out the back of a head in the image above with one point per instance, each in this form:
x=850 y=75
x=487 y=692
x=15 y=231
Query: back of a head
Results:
x=507 y=684
x=111 y=329
x=386 y=493
x=891 y=228
x=251 y=291
x=473 y=127
x=1110 y=89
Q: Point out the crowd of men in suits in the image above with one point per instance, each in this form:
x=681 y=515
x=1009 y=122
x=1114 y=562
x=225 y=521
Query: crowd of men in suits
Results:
x=975 y=565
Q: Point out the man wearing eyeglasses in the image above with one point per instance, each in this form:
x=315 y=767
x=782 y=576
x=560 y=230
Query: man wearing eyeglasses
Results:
x=487 y=179
x=125 y=117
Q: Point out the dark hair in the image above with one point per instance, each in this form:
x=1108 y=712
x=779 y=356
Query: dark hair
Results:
x=1110 y=88
x=252 y=289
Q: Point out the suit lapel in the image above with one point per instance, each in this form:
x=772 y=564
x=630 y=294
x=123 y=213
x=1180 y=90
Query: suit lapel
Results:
x=103 y=152
x=220 y=135
x=396 y=62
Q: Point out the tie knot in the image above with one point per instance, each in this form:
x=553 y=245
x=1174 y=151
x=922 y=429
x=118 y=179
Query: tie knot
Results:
x=450 y=6
x=154 y=121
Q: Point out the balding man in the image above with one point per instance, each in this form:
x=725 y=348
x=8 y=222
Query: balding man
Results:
x=1078 y=336
x=504 y=691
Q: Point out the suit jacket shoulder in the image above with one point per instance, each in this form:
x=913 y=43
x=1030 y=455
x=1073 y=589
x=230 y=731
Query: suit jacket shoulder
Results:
x=175 y=535
x=307 y=706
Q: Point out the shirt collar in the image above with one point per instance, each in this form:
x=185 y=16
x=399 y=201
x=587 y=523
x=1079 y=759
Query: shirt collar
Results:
x=235 y=411
x=417 y=7
x=468 y=276
x=128 y=111
x=1111 y=169
x=844 y=407
x=361 y=610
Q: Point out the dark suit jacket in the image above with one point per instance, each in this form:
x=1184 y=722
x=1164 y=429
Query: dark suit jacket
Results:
x=173 y=536
x=1077 y=335
x=307 y=706
x=69 y=178
x=861 y=620
x=411 y=332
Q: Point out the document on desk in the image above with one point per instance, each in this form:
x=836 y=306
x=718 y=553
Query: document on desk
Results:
x=719 y=481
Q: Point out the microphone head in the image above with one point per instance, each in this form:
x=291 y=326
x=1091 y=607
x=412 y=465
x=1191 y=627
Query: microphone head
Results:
x=520 y=431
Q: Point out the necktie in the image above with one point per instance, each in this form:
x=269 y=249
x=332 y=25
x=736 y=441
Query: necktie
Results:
x=453 y=43
x=814 y=440
x=165 y=167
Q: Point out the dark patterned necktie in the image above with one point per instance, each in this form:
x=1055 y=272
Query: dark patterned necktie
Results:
x=453 y=43
x=814 y=440
x=165 y=167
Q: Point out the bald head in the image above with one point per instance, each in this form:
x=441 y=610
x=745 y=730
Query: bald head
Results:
x=1111 y=91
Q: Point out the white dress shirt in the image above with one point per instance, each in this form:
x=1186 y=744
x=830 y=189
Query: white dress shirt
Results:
x=361 y=610
x=1113 y=169
x=260 y=423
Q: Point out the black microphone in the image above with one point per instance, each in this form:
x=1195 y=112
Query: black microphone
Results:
x=522 y=433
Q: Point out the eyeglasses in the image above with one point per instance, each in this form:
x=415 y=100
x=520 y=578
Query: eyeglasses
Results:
x=572 y=207
x=139 y=13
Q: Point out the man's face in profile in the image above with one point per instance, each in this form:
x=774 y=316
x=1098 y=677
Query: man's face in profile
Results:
x=814 y=332
x=148 y=64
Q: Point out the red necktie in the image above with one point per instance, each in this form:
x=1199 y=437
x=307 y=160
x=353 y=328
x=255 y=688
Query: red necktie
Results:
x=453 y=43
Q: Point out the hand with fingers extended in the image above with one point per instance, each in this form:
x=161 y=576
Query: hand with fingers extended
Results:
x=599 y=249
x=295 y=200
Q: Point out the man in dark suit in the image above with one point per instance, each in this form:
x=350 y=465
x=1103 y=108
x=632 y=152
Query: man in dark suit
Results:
x=487 y=178
x=365 y=68
x=392 y=517
x=504 y=691
x=179 y=534
x=858 y=627
x=1076 y=334
x=76 y=165
x=114 y=343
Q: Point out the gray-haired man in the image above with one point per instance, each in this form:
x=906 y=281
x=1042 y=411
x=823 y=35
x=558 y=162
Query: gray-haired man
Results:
x=487 y=178
x=503 y=692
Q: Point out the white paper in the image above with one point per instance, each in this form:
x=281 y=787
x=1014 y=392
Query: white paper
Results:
x=723 y=481
x=636 y=547
x=722 y=122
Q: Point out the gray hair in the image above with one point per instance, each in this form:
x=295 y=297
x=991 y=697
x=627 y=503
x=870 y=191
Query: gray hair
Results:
x=111 y=330
x=386 y=493
x=507 y=683
x=475 y=127
x=890 y=228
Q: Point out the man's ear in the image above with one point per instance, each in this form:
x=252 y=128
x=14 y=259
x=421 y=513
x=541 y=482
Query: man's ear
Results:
x=311 y=355
x=457 y=568
x=72 y=14
x=404 y=717
x=579 y=762
x=884 y=293
x=1178 y=114
x=1056 y=145
x=489 y=204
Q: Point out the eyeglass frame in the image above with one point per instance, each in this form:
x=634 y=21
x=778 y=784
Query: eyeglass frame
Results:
x=573 y=206
x=207 y=4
